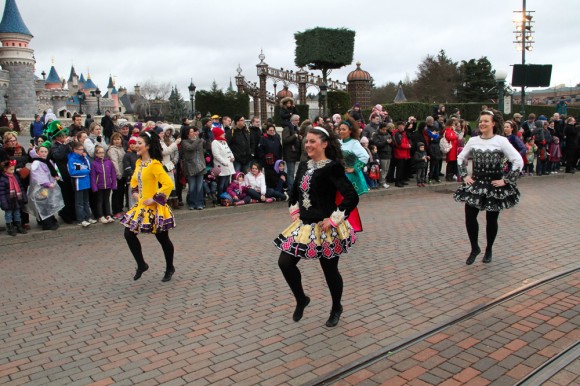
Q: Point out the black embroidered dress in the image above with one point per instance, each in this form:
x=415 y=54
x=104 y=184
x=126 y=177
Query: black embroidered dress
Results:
x=489 y=156
x=313 y=197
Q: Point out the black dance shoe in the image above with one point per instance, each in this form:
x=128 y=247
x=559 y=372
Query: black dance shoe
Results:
x=487 y=257
x=299 y=311
x=168 y=275
x=472 y=256
x=140 y=271
x=334 y=317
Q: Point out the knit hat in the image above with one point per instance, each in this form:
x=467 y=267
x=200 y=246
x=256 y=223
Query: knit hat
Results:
x=204 y=121
x=364 y=140
x=237 y=118
x=237 y=175
x=139 y=125
x=218 y=133
x=419 y=144
x=133 y=140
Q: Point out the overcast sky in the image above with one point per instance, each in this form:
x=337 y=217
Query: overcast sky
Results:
x=176 y=40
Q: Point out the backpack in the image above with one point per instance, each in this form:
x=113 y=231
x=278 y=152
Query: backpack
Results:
x=444 y=145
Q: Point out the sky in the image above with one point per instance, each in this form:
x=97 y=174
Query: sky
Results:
x=181 y=40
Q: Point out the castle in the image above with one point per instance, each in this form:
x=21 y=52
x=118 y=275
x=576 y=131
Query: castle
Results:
x=25 y=94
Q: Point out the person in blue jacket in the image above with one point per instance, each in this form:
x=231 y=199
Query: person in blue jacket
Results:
x=79 y=168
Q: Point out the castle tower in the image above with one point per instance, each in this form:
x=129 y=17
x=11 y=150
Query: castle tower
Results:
x=359 y=87
x=18 y=60
x=111 y=85
x=73 y=81
x=53 y=80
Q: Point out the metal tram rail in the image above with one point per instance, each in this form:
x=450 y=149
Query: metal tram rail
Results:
x=565 y=357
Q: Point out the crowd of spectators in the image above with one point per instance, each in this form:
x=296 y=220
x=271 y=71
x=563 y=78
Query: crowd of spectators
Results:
x=222 y=160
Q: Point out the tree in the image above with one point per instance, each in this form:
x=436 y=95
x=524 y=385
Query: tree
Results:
x=324 y=49
x=476 y=81
x=177 y=107
x=437 y=79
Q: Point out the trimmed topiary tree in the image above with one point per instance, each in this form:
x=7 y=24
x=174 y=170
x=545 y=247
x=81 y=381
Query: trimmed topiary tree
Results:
x=324 y=49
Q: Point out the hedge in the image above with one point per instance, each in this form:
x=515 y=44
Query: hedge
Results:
x=469 y=111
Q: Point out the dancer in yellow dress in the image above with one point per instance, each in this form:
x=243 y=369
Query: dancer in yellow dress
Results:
x=150 y=186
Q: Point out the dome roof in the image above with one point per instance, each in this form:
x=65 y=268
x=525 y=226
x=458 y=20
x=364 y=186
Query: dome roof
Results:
x=284 y=93
x=358 y=75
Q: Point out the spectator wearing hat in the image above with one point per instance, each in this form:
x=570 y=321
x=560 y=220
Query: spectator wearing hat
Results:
x=197 y=120
x=223 y=158
x=287 y=109
x=528 y=126
x=356 y=114
x=240 y=144
x=517 y=119
x=59 y=151
x=125 y=129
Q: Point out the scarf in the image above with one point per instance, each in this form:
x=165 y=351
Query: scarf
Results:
x=15 y=191
x=51 y=168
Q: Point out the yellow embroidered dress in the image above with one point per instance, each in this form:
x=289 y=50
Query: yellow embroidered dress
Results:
x=150 y=180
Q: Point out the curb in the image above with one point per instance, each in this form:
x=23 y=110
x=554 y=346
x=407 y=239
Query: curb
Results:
x=36 y=234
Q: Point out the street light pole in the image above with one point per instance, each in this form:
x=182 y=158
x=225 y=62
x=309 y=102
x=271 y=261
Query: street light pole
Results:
x=323 y=92
x=98 y=94
x=191 y=89
x=80 y=95
x=500 y=77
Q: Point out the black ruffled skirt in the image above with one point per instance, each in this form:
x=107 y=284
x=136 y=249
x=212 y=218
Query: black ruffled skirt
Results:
x=484 y=196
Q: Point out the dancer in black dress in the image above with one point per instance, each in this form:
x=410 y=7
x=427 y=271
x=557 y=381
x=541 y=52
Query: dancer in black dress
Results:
x=488 y=188
x=320 y=229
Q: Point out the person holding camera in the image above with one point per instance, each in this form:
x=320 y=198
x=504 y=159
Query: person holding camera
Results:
x=95 y=138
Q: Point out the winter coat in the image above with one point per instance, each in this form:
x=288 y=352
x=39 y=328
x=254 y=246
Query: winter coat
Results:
x=239 y=143
x=384 y=148
x=451 y=137
x=286 y=114
x=291 y=143
x=434 y=147
x=7 y=203
x=36 y=129
x=257 y=183
x=79 y=168
x=234 y=189
x=116 y=155
x=420 y=163
x=402 y=146
x=255 y=135
x=91 y=142
x=192 y=156
x=129 y=161
x=270 y=144
x=103 y=175
x=222 y=157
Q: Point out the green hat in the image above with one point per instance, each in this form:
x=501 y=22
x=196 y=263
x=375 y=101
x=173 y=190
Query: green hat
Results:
x=54 y=129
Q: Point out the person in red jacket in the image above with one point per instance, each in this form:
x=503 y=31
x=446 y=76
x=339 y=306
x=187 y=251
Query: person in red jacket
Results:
x=451 y=156
x=401 y=154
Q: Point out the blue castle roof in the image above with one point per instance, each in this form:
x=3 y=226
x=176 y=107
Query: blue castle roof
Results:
x=89 y=84
x=114 y=91
x=52 y=76
x=12 y=21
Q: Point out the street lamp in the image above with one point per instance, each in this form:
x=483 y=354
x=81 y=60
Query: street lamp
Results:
x=98 y=94
x=191 y=89
x=323 y=91
x=81 y=96
x=500 y=77
x=524 y=40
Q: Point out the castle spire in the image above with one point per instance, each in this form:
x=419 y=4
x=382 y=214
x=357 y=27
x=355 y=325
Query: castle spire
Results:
x=12 y=21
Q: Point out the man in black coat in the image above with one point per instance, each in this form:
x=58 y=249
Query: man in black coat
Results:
x=571 y=131
x=108 y=125
x=291 y=147
x=255 y=135
x=239 y=142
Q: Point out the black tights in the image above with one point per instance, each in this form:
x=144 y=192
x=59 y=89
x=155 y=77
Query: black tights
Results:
x=287 y=264
x=135 y=248
x=473 y=227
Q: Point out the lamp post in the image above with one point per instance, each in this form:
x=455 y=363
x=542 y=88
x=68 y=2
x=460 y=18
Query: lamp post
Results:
x=98 y=95
x=524 y=40
x=80 y=95
x=500 y=77
x=323 y=91
x=191 y=89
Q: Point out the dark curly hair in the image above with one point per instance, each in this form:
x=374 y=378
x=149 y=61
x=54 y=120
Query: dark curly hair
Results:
x=152 y=139
x=497 y=118
x=352 y=125
x=333 y=150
